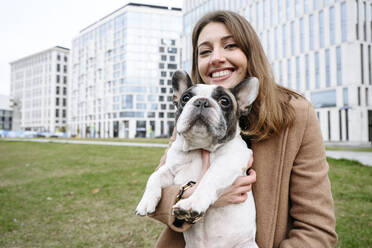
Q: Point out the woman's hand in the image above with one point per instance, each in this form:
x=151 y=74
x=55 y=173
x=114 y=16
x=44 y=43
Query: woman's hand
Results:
x=236 y=193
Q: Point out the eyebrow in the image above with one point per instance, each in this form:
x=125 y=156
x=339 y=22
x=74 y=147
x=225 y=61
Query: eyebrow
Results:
x=223 y=39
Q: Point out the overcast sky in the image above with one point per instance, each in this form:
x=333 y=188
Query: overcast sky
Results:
x=31 y=26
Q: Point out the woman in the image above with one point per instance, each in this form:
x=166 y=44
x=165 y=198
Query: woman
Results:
x=292 y=192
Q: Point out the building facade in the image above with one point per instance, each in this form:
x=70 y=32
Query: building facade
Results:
x=39 y=91
x=319 y=48
x=121 y=69
x=5 y=113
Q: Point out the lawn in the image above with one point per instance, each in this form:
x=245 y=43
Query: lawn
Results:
x=65 y=195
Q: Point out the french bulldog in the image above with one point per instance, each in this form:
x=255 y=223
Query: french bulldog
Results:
x=207 y=118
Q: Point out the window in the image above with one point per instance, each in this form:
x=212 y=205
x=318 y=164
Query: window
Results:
x=172 y=66
x=163 y=58
x=57 y=113
x=327 y=68
x=307 y=73
x=57 y=101
x=58 y=57
x=323 y=99
x=293 y=42
x=64 y=113
x=163 y=73
x=357 y=19
x=65 y=58
x=64 y=79
x=172 y=58
x=57 y=90
x=58 y=67
x=172 y=50
x=57 y=79
x=346 y=97
x=161 y=49
x=161 y=65
x=321 y=28
x=359 y=96
x=64 y=102
x=163 y=90
x=65 y=68
x=362 y=62
x=317 y=72
x=163 y=106
x=332 y=25
x=127 y=101
x=284 y=40
x=64 y=91
x=311 y=32
x=339 y=65
x=276 y=43
x=302 y=35
x=298 y=73
x=343 y=21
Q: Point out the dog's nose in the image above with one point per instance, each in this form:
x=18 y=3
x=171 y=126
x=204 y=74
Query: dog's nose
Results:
x=202 y=103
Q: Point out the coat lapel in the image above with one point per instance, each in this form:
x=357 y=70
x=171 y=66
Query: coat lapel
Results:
x=268 y=163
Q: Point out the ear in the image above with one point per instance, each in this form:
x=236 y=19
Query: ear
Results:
x=180 y=82
x=246 y=92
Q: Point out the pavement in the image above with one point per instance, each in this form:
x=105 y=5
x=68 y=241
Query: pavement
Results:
x=362 y=157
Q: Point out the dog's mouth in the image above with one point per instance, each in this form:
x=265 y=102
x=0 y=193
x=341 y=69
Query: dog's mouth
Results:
x=199 y=119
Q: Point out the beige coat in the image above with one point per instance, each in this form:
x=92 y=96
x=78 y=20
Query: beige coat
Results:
x=292 y=193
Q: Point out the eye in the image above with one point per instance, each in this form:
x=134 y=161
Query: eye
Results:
x=186 y=98
x=224 y=101
x=231 y=45
x=204 y=52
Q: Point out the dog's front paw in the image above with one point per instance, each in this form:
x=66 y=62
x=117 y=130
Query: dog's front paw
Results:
x=188 y=211
x=148 y=203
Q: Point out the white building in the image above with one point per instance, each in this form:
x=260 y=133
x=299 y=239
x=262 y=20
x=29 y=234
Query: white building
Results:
x=121 y=73
x=39 y=91
x=320 y=48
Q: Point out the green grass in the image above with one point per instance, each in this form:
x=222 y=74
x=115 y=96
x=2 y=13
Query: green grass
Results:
x=49 y=198
x=135 y=140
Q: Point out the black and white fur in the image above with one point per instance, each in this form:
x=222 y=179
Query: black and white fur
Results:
x=207 y=118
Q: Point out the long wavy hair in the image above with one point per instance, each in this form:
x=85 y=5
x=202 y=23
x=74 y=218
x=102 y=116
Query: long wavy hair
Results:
x=271 y=111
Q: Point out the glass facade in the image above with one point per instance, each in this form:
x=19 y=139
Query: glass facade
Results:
x=130 y=54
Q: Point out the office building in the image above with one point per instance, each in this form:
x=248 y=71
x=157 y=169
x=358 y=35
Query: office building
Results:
x=121 y=69
x=320 y=48
x=39 y=91
x=5 y=113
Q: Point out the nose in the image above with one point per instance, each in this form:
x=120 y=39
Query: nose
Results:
x=202 y=103
x=217 y=57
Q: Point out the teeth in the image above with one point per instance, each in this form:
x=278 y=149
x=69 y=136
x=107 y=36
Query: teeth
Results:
x=220 y=73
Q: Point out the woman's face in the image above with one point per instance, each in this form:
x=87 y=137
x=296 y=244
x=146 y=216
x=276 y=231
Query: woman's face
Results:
x=220 y=60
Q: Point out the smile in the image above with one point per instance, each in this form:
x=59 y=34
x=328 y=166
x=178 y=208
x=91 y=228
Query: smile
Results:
x=219 y=74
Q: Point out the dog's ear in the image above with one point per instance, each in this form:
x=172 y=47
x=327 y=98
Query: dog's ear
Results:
x=180 y=82
x=245 y=93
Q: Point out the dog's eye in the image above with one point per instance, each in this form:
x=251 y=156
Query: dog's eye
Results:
x=224 y=101
x=186 y=98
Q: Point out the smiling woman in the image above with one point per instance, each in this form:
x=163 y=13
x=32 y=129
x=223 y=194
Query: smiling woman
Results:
x=290 y=173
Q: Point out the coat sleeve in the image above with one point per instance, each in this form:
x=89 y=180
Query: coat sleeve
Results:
x=163 y=211
x=311 y=203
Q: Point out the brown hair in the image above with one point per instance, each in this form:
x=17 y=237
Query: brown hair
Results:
x=271 y=111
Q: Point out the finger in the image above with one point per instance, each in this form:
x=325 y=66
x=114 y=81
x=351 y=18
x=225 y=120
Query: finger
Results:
x=249 y=165
x=242 y=190
x=245 y=180
x=240 y=198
